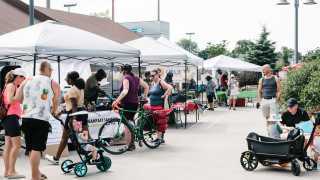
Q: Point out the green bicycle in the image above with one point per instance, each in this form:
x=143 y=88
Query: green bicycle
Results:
x=116 y=135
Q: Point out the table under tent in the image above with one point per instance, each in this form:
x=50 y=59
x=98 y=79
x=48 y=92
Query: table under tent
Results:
x=155 y=53
x=229 y=64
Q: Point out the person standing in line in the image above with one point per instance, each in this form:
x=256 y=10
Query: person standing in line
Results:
x=74 y=100
x=269 y=92
x=11 y=124
x=40 y=97
x=210 y=90
x=158 y=94
x=129 y=95
x=233 y=85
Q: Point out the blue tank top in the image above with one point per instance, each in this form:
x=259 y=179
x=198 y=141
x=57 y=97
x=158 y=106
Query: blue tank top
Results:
x=269 y=87
x=155 y=94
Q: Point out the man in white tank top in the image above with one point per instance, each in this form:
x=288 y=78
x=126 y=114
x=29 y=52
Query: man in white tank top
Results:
x=40 y=100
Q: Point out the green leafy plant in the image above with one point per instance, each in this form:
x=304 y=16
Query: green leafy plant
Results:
x=304 y=85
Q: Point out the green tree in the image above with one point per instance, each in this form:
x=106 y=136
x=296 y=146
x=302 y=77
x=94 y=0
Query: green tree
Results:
x=284 y=57
x=312 y=55
x=213 y=50
x=242 y=49
x=188 y=45
x=263 y=52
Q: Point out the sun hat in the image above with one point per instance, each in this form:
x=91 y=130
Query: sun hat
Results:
x=19 y=72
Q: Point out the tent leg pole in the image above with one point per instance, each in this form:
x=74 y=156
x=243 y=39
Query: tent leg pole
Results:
x=139 y=66
x=197 y=92
x=185 y=91
x=59 y=70
x=35 y=57
x=112 y=67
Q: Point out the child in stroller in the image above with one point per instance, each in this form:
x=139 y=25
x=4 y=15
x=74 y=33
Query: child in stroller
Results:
x=83 y=139
x=315 y=146
x=89 y=151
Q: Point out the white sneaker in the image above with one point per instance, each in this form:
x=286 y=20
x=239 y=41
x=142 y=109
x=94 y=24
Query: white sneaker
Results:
x=51 y=159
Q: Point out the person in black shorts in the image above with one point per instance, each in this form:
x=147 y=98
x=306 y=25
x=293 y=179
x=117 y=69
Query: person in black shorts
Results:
x=40 y=103
x=11 y=124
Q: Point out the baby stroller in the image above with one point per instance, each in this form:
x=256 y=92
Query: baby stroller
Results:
x=80 y=169
x=268 y=151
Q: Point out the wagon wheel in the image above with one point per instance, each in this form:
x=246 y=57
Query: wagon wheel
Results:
x=248 y=161
x=309 y=164
x=295 y=167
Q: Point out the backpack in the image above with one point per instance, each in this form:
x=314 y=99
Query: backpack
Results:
x=3 y=108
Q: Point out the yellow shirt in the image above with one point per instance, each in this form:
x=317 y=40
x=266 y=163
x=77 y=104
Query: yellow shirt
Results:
x=76 y=93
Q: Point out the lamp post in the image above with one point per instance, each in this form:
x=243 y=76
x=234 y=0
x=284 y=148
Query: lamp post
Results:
x=70 y=5
x=158 y=10
x=296 y=24
x=113 y=11
x=31 y=12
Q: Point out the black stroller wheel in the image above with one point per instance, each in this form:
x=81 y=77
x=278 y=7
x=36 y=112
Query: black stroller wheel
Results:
x=66 y=166
x=309 y=164
x=248 y=161
x=295 y=167
x=105 y=164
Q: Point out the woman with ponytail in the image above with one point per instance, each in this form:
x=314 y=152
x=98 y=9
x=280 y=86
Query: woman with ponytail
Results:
x=74 y=100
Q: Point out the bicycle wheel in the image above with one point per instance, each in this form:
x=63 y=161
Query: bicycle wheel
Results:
x=148 y=132
x=115 y=136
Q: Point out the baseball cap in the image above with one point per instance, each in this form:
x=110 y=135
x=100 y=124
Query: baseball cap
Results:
x=19 y=72
x=292 y=102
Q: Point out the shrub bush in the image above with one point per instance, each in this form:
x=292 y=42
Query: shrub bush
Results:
x=304 y=85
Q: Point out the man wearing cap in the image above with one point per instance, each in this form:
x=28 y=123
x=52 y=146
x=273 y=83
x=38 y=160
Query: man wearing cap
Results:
x=269 y=92
x=294 y=115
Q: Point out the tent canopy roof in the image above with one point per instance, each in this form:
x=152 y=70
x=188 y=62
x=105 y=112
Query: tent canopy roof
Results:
x=154 y=52
x=53 y=38
x=230 y=64
x=193 y=59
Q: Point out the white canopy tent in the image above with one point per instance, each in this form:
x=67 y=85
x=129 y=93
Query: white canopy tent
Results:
x=227 y=63
x=155 y=53
x=53 y=38
x=58 y=42
x=193 y=59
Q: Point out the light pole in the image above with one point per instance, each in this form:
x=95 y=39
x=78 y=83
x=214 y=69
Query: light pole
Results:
x=113 y=11
x=70 y=5
x=296 y=24
x=158 y=10
x=31 y=12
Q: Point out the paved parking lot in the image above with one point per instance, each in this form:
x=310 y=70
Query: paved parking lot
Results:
x=207 y=150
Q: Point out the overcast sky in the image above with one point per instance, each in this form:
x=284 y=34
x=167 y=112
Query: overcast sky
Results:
x=214 y=20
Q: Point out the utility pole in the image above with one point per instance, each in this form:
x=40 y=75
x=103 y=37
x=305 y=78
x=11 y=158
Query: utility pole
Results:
x=113 y=11
x=31 y=12
x=158 y=10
